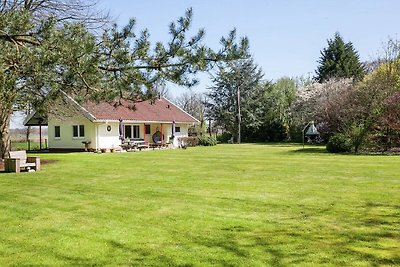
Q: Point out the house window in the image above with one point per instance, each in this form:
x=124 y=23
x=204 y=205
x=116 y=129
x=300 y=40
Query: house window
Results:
x=128 y=131
x=136 y=133
x=147 y=129
x=177 y=129
x=57 y=132
x=132 y=131
x=78 y=131
x=81 y=130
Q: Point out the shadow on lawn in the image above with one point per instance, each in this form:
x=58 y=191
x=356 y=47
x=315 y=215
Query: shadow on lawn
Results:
x=143 y=256
x=375 y=245
x=278 y=144
x=231 y=242
x=310 y=150
x=79 y=261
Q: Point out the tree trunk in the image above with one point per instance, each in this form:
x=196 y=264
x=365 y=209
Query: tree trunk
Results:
x=5 y=118
x=388 y=140
x=201 y=127
x=28 y=133
x=359 y=137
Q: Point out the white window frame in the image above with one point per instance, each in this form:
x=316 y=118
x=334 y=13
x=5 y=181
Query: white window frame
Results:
x=128 y=132
x=136 y=132
x=59 y=129
x=78 y=131
x=133 y=131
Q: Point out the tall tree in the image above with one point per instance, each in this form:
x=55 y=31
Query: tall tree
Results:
x=36 y=59
x=278 y=99
x=325 y=103
x=131 y=67
x=339 y=60
x=82 y=11
x=372 y=104
x=233 y=99
x=40 y=59
x=194 y=104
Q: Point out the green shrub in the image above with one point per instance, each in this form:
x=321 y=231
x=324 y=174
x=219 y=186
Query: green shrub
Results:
x=339 y=143
x=190 y=141
x=224 y=137
x=207 y=140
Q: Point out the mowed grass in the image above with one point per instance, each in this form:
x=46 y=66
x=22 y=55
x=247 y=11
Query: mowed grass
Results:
x=229 y=205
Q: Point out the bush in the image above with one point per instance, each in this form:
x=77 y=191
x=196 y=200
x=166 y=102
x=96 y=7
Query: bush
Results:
x=194 y=141
x=206 y=140
x=224 y=137
x=338 y=143
x=188 y=141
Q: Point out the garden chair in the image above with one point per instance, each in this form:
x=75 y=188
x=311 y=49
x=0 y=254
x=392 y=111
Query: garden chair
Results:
x=18 y=160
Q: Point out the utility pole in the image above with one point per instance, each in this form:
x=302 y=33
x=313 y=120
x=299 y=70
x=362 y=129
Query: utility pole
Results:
x=239 y=115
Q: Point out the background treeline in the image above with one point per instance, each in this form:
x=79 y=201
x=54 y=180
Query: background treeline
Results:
x=356 y=106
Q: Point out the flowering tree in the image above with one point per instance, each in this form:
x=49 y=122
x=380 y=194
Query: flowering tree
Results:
x=326 y=104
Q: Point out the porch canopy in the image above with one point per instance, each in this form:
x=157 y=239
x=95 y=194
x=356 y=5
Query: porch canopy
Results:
x=36 y=119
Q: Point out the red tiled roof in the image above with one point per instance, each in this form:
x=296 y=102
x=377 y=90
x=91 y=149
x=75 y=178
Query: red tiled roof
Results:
x=160 y=110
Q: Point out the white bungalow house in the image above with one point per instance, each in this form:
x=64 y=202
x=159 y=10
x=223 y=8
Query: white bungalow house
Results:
x=104 y=125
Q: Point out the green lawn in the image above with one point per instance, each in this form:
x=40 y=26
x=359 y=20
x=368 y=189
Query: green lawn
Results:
x=229 y=205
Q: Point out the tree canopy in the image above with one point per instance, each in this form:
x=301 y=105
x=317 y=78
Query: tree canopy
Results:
x=339 y=60
x=42 y=55
x=234 y=97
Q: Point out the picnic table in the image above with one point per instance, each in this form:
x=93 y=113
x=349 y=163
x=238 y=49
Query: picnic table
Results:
x=158 y=145
x=134 y=144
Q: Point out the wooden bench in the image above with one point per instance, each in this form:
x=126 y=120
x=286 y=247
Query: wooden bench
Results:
x=18 y=160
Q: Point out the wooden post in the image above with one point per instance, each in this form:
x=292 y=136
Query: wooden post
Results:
x=144 y=132
x=239 y=116
x=40 y=136
x=162 y=135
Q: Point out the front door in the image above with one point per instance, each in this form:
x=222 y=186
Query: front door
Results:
x=147 y=132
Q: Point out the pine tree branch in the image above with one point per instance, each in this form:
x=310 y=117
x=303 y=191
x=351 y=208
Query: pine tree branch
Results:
x=19 y=39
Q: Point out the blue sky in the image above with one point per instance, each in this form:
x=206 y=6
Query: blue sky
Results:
x=286 y=36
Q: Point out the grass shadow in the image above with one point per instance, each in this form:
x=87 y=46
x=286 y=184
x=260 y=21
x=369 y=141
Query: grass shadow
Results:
x=310 y=150
x=276 y=144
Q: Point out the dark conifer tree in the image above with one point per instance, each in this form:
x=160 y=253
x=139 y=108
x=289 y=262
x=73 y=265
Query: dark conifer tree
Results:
x=234 y=100
x=339 y=60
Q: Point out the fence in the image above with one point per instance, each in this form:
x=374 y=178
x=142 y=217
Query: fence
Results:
x=30 y=145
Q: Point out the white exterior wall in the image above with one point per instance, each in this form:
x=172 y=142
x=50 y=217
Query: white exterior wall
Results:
x=182 y=133
x=105 y=138
x=100 y=137
x=66 y=139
